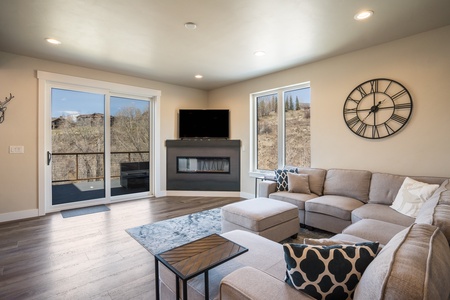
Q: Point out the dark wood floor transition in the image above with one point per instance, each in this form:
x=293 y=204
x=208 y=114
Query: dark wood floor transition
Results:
x=90 y=256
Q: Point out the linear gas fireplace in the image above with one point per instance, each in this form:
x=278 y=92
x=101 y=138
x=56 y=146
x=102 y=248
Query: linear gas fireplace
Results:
x=203 y=165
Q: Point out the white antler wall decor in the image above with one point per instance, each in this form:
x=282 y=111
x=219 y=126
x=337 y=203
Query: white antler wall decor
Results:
x=3 y=107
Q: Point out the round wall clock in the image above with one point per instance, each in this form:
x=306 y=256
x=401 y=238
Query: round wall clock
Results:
x=377 y=108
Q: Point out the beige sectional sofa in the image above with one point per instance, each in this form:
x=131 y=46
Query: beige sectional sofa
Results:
x=342 y=197
x=414 y=262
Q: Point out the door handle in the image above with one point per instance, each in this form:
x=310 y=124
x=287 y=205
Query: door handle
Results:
x=49 y=157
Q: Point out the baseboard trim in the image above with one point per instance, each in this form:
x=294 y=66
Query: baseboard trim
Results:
x=203 y=194
x=18 y=215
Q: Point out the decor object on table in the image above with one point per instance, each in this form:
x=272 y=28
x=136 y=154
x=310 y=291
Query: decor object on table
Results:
x=377 y=108
x=3 y=107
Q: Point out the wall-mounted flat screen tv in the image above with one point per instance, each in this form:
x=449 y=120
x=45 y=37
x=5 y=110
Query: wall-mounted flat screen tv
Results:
x=204 y=123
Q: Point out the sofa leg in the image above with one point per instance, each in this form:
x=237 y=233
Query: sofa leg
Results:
x=294 y=236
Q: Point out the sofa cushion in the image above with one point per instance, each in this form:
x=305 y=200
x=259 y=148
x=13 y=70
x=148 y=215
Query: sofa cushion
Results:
x=415 y=264
x=348 y=183
x=384 y=187
x=380 y=212
x=336 y=206
x=327 y=272
x=293 y=198
x=436 y=210
x=411 y=196
x=316 y=179
x=374 y=230
x=282 y=179
x=298 y=183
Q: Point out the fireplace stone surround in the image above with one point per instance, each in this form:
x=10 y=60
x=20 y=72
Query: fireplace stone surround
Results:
x=214 y=165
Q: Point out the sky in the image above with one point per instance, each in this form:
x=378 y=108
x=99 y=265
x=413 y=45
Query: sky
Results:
x=74 y=103
x=303 y=95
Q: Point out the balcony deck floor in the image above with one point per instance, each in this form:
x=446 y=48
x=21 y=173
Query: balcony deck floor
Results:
x=81 y=191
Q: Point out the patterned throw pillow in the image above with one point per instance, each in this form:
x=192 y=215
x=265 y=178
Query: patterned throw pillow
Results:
x=282 y=178
x=327 y=272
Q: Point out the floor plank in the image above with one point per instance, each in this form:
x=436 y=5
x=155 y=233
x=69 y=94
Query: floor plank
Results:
x=90 y=256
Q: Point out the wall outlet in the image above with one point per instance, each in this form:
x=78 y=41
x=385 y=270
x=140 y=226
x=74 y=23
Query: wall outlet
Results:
x=16 y=149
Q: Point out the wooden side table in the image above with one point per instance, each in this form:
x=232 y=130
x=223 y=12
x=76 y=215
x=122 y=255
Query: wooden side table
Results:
x=195 y=258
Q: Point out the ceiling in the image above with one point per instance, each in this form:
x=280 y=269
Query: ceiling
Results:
x=148 y=39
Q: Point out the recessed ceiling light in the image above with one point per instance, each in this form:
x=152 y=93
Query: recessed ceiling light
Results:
x=259 y=53
x=363 y=15
x=198 y=76
x=190 y=25
x=53 y=41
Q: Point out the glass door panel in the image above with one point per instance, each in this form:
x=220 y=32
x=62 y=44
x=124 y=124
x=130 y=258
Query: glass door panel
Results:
x=78 y=151
x=130 y=145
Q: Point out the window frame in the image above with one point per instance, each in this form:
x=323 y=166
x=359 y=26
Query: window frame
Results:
x=281 y=117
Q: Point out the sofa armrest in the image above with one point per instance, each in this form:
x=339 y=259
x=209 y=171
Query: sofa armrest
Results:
x=266 y=187
x=250 y=283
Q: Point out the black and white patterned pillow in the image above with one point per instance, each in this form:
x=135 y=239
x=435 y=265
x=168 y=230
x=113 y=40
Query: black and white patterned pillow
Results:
x=282 y=178
x=327 y=272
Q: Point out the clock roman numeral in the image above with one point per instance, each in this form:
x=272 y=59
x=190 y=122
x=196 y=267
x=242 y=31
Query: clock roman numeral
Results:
x=353 y=121
x=398 y=94
x=389 y=129
x=375 y=132
x=354 y=100
x=402 y=106
x=362 y=129
x=399 y=119
x=361 y=91
x=374 y=86
x=350 y=110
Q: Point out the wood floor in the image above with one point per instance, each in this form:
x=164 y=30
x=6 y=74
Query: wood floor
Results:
x=90 y=256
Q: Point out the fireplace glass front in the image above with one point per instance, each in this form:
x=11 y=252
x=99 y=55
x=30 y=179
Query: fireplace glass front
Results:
x=203 y=165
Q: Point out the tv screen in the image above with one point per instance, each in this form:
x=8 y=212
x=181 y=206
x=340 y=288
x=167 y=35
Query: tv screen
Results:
x=204 y=123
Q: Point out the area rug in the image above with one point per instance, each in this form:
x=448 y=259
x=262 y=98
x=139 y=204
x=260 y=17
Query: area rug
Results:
x=84 y=211
x=164 y=235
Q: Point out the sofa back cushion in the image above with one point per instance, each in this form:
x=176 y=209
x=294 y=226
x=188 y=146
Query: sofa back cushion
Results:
x=436 y=210
x=415 y=264
x=348 y=183
x=316 y=179
x=384 y=187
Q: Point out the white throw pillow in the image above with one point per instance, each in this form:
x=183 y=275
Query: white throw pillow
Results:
x=412 y=195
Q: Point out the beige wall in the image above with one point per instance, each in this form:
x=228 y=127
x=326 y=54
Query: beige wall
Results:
x=421 y=63
x=19 y=172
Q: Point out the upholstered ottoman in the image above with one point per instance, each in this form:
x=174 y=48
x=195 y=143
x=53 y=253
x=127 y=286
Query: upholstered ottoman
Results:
x=272 y=219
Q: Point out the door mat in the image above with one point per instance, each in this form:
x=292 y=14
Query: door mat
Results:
x=84 y=211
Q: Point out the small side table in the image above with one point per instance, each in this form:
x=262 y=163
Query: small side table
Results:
x=195 y=258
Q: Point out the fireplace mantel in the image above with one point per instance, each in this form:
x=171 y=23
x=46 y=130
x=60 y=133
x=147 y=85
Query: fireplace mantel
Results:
x=221 y=156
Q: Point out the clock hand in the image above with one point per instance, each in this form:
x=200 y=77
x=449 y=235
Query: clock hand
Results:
x=373 y=109
x=370 y=112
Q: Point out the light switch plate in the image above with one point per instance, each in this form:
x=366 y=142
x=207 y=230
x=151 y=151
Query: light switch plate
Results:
x=16 y=149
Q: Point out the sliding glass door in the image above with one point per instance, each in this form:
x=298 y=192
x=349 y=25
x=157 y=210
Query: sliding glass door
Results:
x=78 y=146
x=130 y=146
x=100 y=147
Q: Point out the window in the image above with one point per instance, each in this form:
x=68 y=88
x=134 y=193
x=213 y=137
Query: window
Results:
x=281 y=129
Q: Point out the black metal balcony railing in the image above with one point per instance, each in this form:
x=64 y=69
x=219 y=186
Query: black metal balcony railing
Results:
x=77 y=163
